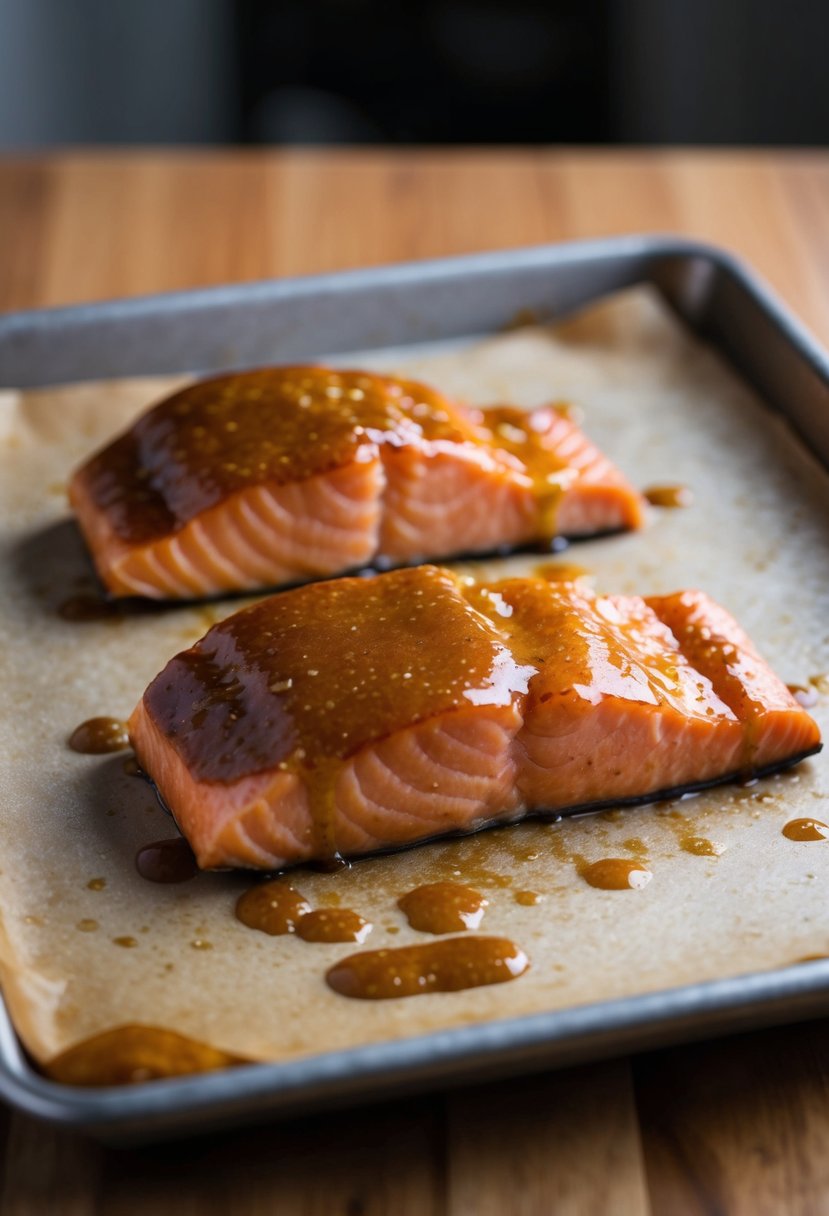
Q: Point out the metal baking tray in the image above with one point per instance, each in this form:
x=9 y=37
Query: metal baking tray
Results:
x=295 y=319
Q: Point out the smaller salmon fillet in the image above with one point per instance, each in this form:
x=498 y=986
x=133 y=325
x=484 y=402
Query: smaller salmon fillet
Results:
x=357 y=715
x=293 y=473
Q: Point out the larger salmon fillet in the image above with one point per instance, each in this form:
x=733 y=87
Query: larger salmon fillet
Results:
x=286 y=474
x=364 y=714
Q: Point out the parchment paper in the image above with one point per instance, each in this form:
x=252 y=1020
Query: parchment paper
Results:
x=757 y=538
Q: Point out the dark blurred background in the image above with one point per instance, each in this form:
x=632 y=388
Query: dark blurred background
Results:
x=450 y=71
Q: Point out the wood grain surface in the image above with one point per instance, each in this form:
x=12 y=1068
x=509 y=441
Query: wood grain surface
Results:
x=738 y=1125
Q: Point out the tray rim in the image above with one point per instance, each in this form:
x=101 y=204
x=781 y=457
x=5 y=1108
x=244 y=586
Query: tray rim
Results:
x=641 y=249
x=646 y=1020
x=384 y=1068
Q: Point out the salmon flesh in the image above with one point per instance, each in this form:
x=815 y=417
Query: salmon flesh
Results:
x=286 y=474
x=358 y=715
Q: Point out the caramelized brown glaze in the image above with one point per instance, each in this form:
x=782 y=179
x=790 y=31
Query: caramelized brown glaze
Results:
x=448 y=965
x=333 y=925
x=528 y=899
x=443 y=907
x=307 y=681
x=128 y=1055
x=99 y=735
x=669 y=496
x=806 y=829
x=559 y=632
x=275 y=425
x=273 y=907
x=166 y=861
x=251 y=694
x=616 y=874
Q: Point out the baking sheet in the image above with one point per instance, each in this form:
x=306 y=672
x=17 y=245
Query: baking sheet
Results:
x=667 y=410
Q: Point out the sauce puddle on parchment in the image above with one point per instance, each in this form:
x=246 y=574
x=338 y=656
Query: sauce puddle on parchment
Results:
x=97 y=736
x=166 y=861
x=449 y=965
x=671 y=497
x=806 y=829
x=616 y=874
x=278 y=908
x=443 y=907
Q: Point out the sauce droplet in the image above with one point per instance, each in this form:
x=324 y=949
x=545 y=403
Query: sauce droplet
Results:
x=272 y=907
x=126 y=942
x=443 y=907
x=560 y=572
x=669 y=496
x=333 y=925
x=96 y=884
x=87 y=925
x=166 y=861
x=528 y=899
x=449 y=965
x=198 y=943
x=700 y=846
x=99 y=735
x=806 y=829
x=807 y=697
x=616 y=874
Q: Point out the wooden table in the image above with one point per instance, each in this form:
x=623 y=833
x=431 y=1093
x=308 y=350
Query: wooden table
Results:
x=738 y=1125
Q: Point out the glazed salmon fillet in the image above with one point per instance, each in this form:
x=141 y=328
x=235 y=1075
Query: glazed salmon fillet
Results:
x=360 y=714
x=287 y=474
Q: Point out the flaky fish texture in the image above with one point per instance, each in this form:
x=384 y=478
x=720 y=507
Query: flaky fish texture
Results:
x=286 y=474
x=358 y=714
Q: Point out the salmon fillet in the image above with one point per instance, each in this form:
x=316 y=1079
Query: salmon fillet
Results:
x=286 y=474
x=363 y=714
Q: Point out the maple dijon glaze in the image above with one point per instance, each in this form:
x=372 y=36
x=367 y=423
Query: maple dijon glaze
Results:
x=669 y=496
x=279 y=425
x=359 y=714
x=333 y=925
x=272 y=907
x=97 y=736
x=521 y=435
x=129 y=1055
x=166 y=861
x=443 y=907
x=449 y=965
x=616 y=874
x=254 y=692
x=806 y=829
